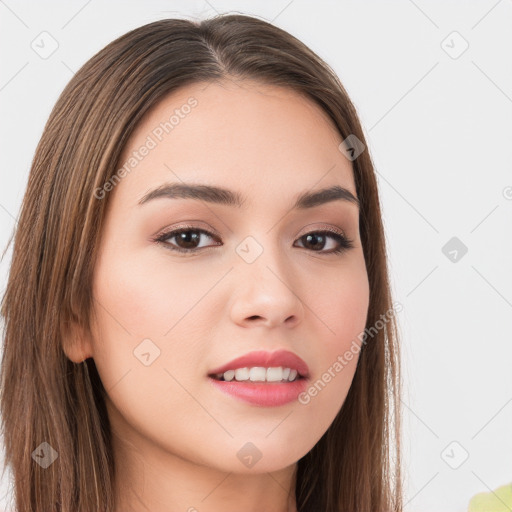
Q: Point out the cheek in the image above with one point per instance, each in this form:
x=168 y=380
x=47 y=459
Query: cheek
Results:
x=145 y=346
x=341 y=307
x=145 y=297
x=142 y=320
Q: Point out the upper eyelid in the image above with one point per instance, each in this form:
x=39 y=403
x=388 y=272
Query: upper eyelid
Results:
x=214 y=233
x=167 y=233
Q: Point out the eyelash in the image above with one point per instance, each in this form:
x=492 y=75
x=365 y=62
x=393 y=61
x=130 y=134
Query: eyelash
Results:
x=344 y=243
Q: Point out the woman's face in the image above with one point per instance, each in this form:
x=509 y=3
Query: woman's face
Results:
x=251 y=279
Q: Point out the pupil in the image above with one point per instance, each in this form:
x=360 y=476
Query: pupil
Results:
x=315 y=237
x=188 y=237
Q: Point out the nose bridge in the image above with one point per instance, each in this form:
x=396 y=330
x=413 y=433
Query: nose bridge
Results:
x=266 y=287
x=264 y=255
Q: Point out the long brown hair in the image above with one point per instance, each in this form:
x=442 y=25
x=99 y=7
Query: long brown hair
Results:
x=46 y=398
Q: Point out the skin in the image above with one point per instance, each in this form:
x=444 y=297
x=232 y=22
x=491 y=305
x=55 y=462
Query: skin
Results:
x=175 y=436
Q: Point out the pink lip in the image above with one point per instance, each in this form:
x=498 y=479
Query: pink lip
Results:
x=264 y=394
x=283 y=358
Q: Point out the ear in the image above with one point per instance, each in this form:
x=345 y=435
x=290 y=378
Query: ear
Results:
x=76 y=342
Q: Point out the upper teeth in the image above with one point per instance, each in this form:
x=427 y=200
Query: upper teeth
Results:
x=260 y=374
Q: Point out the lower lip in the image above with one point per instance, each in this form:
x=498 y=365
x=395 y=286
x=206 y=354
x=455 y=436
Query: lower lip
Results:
x=262 y=394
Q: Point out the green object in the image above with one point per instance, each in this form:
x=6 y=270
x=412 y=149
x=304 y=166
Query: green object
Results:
x=499 y=500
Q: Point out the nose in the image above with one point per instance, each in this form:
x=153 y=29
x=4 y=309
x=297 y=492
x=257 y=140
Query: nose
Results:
x=267 y=293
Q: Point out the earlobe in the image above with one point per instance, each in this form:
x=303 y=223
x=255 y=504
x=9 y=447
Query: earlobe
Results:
x=75 y=343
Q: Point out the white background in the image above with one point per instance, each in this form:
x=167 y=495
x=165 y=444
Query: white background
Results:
x=440 y=132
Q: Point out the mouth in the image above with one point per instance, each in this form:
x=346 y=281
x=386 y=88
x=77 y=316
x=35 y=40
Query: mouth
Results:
x=263 y=366
x=261 y=386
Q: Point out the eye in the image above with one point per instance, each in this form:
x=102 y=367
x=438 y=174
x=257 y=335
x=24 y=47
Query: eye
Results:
x=187 y=240
x=318 y=238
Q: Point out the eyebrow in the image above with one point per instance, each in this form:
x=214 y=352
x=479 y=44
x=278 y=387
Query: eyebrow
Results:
x=219 y=195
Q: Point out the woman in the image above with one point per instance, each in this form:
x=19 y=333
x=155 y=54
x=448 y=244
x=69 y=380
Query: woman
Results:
x=198 y=314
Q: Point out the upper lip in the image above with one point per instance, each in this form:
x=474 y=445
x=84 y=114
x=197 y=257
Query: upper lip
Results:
x=262 y=358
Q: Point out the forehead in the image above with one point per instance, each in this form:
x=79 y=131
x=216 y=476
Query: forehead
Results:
x=253 y=137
